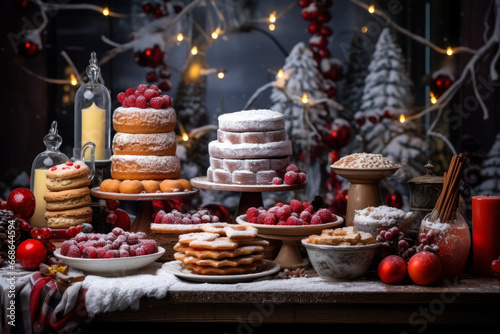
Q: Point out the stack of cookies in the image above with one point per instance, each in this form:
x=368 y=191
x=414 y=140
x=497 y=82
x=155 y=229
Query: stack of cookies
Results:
x=221 y=249
x=68 y=198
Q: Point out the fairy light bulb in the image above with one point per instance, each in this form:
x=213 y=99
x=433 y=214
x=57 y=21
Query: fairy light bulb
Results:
x=371 y=9
x=73 y=80
x=220 y=75
x=433 y=98
x=449 y=51
x=280 y=74
x=185 y=137
x=304 y=98
x=105 y=11
x=272 y=27
x=194 y=50
x=272 y=17
x=180 y=37
x=215 y=35
x=364 y=29
x=402 y=118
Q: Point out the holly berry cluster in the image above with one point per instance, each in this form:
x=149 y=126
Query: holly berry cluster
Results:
x=393 y=242
x=144 y=97
x=317 y=13
x=158 y=9
x=295 y=213
x=293 y=175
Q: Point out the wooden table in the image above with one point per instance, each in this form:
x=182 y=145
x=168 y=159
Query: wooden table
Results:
x=472 y=301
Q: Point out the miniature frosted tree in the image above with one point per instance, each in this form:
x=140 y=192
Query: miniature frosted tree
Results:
x=387 y=97
x=490 y=172
x=305 y=123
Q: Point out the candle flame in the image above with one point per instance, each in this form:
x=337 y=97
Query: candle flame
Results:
x=371 y=9
x=304 y=98
x=105 y=11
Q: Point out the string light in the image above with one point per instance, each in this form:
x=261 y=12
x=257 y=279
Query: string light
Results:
x=105 y=11
x=402 y=118
x=180 y=37
x=371 y=9
x=433 y=98
x=272 y=27
x=304 y=98
x=280 y=74
x=215 y=35
x=272 y=17
x=194 y=50
x=449 y=51
x=220 y=75
x=364 y=29
x=73 y=80
x=185 y=136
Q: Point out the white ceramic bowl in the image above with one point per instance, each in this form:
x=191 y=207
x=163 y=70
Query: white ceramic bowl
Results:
x=110 y=267
x=341 y=262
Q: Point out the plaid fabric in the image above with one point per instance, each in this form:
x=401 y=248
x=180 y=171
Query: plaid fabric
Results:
x=43 y=300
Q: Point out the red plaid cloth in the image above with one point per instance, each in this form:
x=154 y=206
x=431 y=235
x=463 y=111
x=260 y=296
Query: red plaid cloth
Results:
x=44 y=298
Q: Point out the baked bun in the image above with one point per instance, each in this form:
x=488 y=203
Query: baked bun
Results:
x=145 y=167
x=147 y=120
x=110 y=186
x=131 y=187
x=67 y=218
x=151 y=186
x=144 y=143
x=67 y=199
x=68 y=175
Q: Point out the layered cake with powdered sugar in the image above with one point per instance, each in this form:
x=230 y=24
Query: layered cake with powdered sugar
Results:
x=251 y=148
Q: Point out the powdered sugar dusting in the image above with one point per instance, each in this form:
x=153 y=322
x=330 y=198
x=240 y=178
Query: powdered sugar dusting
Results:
x=252 y=120
x=381 y=215
x=365 y=160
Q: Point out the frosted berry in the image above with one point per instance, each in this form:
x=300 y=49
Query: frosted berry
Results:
x=277 y=181
x=292 y=220
x=150 y=246
x=141 y=102
x=112 y=204
x=301 y=177
x=326 y=215
x=296 y=206
x=142 y=88
x=316 y=220
x=121 y=97
x=292 y=168
x=150 y=93
x=156 y=102
x=167 y=101
x=495 y=266
x=130 y=91
x=252 y=214
x=130 y=100
x=290 y=177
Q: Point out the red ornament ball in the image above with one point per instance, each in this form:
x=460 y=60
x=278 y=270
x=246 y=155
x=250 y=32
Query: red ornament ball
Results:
x=440 y=84
x=30 y=253
x=392 y=269
x=152 y=57
x=425 y=268
x=29 y=49
x=22 y=202
x=394 y=200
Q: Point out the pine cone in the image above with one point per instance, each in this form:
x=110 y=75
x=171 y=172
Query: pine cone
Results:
x=6 y=218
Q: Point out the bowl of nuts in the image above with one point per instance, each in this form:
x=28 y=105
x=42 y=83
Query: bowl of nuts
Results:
x=342 y=253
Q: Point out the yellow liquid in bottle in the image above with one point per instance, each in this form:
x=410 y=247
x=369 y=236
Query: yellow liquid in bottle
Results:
x=39 y=189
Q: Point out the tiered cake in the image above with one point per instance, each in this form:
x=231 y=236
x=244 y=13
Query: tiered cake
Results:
x=251 y=148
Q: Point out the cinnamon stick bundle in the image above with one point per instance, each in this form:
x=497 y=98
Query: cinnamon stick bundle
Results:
x=447 y=202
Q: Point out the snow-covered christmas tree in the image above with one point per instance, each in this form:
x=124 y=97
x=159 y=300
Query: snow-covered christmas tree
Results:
x=490 y=173
x=306 y=123
x=386 y=99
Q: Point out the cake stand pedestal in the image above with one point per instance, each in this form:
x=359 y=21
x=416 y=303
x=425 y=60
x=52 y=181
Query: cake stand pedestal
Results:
x=364 y=187
x=250 y=195
x=144 y=214
x=289 y=255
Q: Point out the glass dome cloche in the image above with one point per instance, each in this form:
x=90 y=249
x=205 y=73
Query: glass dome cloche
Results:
x=42 y=162
x=93 y=115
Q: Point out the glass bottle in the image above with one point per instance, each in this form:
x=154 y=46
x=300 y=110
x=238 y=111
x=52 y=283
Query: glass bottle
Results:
x=43 y=161
x=93 y=115
x=453 y=239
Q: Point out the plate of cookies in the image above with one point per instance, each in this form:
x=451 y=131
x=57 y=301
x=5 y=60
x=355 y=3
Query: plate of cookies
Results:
x=221 y=252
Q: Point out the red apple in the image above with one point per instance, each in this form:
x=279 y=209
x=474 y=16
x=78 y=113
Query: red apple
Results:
x=392 y=269
x=22 y=202
x=30 y=253
x=425 y=268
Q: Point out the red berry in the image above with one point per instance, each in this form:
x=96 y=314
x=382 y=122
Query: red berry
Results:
x=111 y=218
x=495 y=265
x=130 y=91
x=141 y=102
x=154 y=87
x=53 y=168
x=316 y=220
x=167 y=101
x=72 y=232
x=292 y=220
x=150 y=93
x=290 y=177
x=130 y=100
x=306 y=216
x=112 y=204
x=142 y=88
x=293 y=168
x=79 y=228
x=69 y=163
x=284 y=212
x=252 y=214
x=301 y=177
x=326 y=215
x=121 y=97
x=296 y=206
x=25 y=226
x=156 y=102
x=277 y=181
x=46 y=232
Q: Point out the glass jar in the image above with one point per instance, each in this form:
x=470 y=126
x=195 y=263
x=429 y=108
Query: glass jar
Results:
x=453 y=239
x=93 y=115
x=43 y=161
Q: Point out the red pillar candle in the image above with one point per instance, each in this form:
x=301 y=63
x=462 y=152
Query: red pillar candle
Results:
x=485 y=233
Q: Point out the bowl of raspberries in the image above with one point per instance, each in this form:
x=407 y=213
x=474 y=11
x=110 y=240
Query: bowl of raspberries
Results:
x=116 y=253
x=295 y=218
